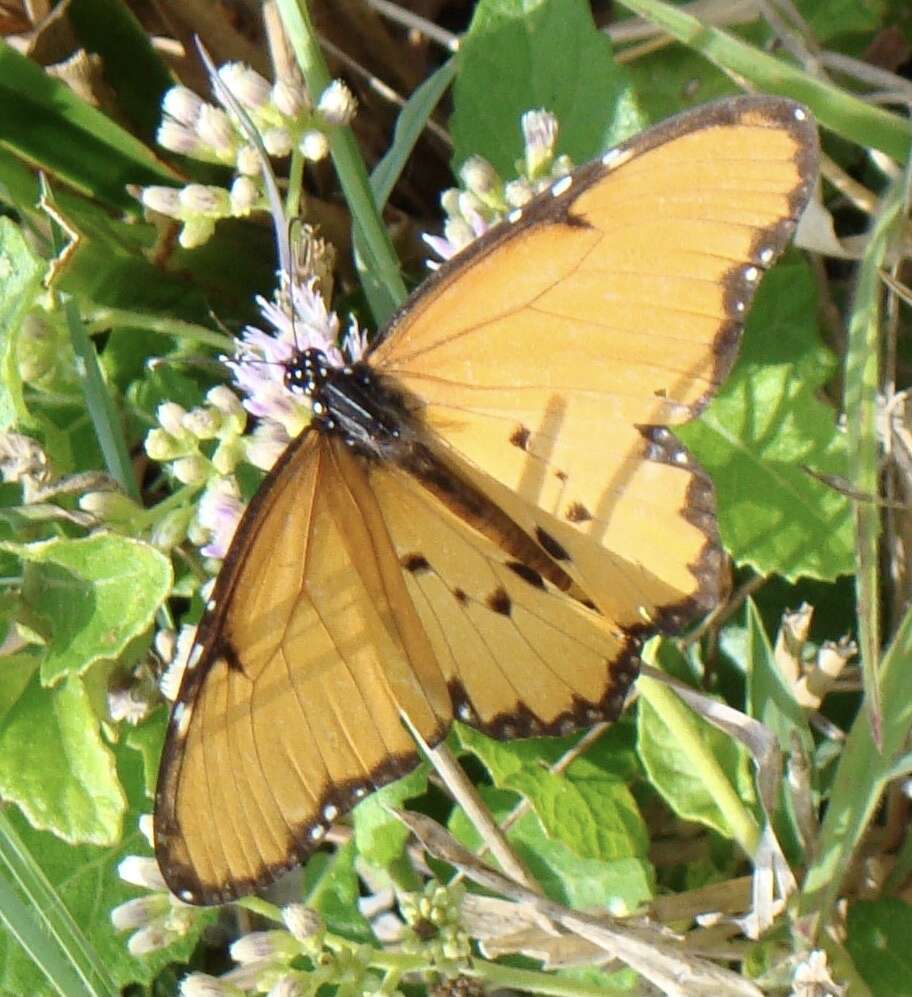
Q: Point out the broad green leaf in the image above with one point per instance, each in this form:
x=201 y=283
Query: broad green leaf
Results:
x=619 y=885
x=685 y=758
x=56 y=768
x=764 y=429
x=94 y=594
x=878 y=941
x=379 y=836
x=591 y=812
x=86 y=881
x=538 y=54
x=331 y=887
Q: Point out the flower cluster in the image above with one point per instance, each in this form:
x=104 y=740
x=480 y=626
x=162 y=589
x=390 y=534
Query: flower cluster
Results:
x=485 y=199
x=157 y=919
x=284 y=117
x=202 y=447
x=435 y=927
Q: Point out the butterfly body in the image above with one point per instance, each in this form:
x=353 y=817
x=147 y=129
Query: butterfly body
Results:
x=488 y=513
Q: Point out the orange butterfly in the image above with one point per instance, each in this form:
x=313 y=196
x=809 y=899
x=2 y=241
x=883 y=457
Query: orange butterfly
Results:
x=486 y=515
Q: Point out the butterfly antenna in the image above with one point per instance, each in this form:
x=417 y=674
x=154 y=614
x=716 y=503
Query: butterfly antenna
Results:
x=228 y=100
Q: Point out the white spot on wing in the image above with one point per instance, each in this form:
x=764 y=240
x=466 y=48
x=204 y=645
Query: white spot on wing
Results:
x=514 y=216
x=330 y=812
x=800 y=115
x=751 y=273
x=317 y=832
x=766 y=256
x=562 y=186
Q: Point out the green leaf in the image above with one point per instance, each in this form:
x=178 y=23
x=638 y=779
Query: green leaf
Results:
x=86 y=882
x=332 y=889
x=538 y=54
x=47 y=125
x=592 y=812
x=878 y=942
x=95 y=595
x=20 y=281
x=685 y=758
x=55 y=766
x=766 y=425
x=620 y=885
x=771 y=702
x=379 y=836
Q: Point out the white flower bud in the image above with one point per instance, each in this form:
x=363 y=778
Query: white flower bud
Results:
x=228 y=403
x=203 y=423
x=205 y=199
x=150 y=939
x=246 y=85
x=247 y=161
x=479 y=176
x=177 y=137
x=244 y=196
x=204 y=985
x=141 y=871
x=261 y=945
x=540 y=134
x=314 y=145
x=277 y=141
x=164 y=200
x=289 y=98
x=139 y=912
x=337 y=104
x=183 y=105
x=215 y=129
x=170 y=417
x=191 y=470
x=518 y=193
x=303 y=922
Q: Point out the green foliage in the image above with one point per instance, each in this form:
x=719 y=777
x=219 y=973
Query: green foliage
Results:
x=877 y=940
x=531 y=55
x=82 y=598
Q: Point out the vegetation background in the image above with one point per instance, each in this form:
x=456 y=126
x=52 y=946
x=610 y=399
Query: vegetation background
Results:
x=104 y=317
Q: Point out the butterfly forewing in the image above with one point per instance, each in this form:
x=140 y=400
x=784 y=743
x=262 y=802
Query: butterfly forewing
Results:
x=611 y=305
x=311 y=653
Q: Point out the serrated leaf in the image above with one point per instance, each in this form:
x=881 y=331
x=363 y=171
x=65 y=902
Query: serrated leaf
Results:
x=766 y=425
x=620 y=885
x=592 y=813
x=55 y=766
x=537 y=54
x=95 y=595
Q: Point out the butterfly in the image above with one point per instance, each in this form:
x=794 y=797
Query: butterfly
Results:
x=487 y=514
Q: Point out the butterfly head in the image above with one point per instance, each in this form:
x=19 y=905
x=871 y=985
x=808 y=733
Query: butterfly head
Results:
x=351 y=401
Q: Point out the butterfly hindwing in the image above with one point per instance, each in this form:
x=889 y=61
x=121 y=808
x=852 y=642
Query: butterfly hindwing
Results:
x=549 y=354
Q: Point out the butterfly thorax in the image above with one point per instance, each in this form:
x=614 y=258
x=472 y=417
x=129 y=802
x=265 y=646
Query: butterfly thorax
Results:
x=352 y=402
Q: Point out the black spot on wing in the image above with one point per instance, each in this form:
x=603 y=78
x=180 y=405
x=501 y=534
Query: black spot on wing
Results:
x=500 y=602
x=415 y=563
x=460 y=596
x=550 y=545
x=578 y=513
x=526 y=573
x=520 y=437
